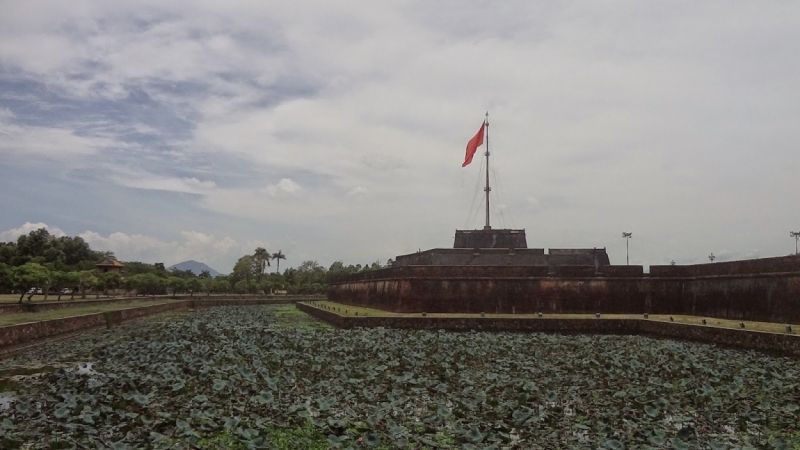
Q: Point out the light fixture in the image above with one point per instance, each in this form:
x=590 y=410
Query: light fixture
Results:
x=627 y=236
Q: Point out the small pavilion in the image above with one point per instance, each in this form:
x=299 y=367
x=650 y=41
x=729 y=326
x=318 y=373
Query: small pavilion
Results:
x=110 y=264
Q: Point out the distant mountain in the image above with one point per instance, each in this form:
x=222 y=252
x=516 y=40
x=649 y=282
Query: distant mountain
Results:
x=194 y=266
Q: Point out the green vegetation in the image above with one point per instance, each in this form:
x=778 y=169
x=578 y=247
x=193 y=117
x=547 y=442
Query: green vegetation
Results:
x=59 y=266
x=290 y=316
x=238 y=377
x=17 y=318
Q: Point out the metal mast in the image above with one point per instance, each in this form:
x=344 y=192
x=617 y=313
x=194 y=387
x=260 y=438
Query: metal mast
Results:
x=487 y=188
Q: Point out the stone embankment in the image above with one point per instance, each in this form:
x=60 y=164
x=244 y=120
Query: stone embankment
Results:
x=14 y=336
x=779 y=343
x=37 y=306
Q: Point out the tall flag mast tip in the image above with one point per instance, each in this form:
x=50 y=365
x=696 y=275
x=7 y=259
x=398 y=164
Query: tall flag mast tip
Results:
x=472 y=147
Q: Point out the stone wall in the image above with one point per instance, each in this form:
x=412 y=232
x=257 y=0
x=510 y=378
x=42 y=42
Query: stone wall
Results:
x=208 y=303
x=784 y=344
x=36 y=306
x=15 y=335
x=24 y=333
x=760 y=290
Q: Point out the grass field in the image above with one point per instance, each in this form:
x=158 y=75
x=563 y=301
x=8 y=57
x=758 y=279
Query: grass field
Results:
x=17 y=318
x=347 y=310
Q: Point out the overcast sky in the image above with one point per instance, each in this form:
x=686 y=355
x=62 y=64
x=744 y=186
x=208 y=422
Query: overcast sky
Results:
x=166 y=131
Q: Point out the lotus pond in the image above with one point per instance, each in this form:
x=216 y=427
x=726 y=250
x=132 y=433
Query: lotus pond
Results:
x=239 y=377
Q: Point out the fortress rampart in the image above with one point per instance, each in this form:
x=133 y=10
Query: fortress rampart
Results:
x=766 y=289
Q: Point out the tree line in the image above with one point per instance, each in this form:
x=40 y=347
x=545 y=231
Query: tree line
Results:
x=66 y=266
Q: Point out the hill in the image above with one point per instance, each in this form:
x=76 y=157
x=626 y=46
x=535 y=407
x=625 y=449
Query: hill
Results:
x=194 y=266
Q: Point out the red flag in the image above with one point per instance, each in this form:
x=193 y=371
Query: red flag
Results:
x=473 y=145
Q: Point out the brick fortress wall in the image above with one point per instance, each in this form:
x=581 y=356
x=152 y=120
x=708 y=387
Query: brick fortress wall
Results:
x=765 y=289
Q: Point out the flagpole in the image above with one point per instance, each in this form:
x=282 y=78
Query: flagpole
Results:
x=487 y=189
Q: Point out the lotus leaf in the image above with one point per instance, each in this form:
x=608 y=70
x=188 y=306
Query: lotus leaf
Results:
x=405 y=388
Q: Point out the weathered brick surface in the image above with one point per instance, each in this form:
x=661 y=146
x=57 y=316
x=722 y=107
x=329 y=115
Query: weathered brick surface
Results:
x=767 y=293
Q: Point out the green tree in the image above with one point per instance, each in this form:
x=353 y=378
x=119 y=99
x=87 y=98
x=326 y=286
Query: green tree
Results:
x=112 y=280
x=185 y=274
x=222 y=286
x=59 y=280
x=136 y=268
x=260 y=262
x=149 y=284
x=32 y=245
x=278 y=257
x=266 y=286
x=204 y=275
x=131 y=282
x=310 y=272
x=241 y=287
x=194 y=285
x=207 y=285
x=176 y=285
x=8 y=253
x=31 y=275
x=6 y=281
x=76 y=250
x=86 y=279
x=98 y=285
x=242 y=270
x=72 y=281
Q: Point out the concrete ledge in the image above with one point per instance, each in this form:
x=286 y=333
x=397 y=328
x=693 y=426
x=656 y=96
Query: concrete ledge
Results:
x=783 y=344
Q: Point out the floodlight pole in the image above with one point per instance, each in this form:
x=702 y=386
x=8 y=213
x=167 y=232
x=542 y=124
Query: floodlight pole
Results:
x=796 y=236
x=627 y=237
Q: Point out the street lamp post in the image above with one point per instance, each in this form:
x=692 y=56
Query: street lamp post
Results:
x=627 y=237
x=796 y=236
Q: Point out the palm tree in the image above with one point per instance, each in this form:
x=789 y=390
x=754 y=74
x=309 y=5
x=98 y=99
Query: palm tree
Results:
x=260 y=261
x=278 y=257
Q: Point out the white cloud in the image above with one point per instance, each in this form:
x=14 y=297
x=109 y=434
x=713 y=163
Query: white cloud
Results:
x=189 y=185
x=533 y=204
x=358 y=192
x=12 y=234
x=285 y=188
x=51 y=142
x=674 y=120
x=218 y=252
